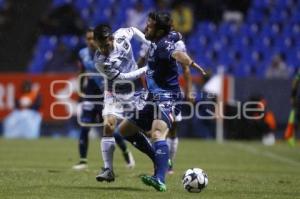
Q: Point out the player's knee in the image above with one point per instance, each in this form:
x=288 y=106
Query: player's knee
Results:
x=109 y=125
x=156 y=135
x=159 y=130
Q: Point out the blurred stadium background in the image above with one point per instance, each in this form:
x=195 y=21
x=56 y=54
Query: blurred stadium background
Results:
x=254 y=43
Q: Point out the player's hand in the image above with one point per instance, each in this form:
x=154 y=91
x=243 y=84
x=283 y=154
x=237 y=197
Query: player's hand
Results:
x=200 y=69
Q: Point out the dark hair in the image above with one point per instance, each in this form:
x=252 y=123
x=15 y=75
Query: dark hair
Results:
x=102 y=31
x=89 y=30
x=162 y=20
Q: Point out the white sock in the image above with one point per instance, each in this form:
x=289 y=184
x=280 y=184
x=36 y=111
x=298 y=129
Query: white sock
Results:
x=173 y=145
x=107 y=150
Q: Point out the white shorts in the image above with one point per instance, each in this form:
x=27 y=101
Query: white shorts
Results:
x=113 y=104
x=119 y=104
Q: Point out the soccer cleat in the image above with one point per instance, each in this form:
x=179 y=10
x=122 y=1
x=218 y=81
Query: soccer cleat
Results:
x=105 y=174
x=154 y=182
x=170 y=169
x=82 y=165
x=129 y=160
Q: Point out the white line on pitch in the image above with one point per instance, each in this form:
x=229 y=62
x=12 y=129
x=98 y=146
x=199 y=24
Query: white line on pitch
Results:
x=268 y=154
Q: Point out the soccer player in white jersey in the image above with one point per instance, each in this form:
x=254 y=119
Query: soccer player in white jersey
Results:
x=114 y=59
x=91 y=109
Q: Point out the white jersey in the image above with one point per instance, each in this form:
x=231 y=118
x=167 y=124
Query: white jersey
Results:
x=121 y=59
x=179 y=46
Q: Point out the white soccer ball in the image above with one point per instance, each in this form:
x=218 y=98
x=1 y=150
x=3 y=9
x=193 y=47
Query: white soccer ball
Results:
x=194 y=180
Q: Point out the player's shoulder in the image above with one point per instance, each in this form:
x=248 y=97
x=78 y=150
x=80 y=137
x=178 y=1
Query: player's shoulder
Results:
x=83 y=51
x=165 y=44
x=171 y=37
x=122 y=42
x=174 y=36
x=180 y=46
x=173 y=41
x=123 y=33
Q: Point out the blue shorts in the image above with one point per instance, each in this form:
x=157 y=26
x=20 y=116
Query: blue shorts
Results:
x=165 y=110
x=91 y=112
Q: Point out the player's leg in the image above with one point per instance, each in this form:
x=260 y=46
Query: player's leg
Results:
x=130 y=131
x=159 y=132
x=87 y=116
x=128 y=157
x=83 y=148
x=132 y=134
x=172 y=141
x=107 y=148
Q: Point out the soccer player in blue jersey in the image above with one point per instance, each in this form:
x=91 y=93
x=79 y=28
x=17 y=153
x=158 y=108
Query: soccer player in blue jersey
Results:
x=91 y=108
x=158 y=115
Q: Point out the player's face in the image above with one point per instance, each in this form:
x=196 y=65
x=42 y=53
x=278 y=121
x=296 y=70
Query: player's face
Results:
x=89 y=39
x=150 y=29
x=105 y=46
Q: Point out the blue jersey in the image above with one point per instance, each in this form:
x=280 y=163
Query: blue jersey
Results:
x=162 y=76
x=94 y=84
x=162 y=83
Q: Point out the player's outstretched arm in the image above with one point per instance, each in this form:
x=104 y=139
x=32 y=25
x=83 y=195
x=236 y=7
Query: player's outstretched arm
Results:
x=113 y=74
x=185 y=63
x=184 y=59
x=188 y=78
x=137 y=34
x=133 y=75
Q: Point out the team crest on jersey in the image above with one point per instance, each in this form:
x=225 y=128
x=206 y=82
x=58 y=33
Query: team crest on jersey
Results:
x=121 y=39
x=126 y=45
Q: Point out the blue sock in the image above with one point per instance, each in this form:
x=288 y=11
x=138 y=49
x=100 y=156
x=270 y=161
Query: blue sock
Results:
x=140 y=141
x=83 y=142
x=161 y=159
x=120 y=140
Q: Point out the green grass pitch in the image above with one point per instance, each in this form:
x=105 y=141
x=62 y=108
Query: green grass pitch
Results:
x=41 y=169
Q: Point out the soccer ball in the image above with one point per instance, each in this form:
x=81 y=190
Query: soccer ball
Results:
x=194 y=180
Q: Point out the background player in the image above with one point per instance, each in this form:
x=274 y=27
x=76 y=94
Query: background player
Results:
x=91 y=111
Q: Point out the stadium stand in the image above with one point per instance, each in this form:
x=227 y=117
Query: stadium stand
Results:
x=268 y=28
x=1 y=3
